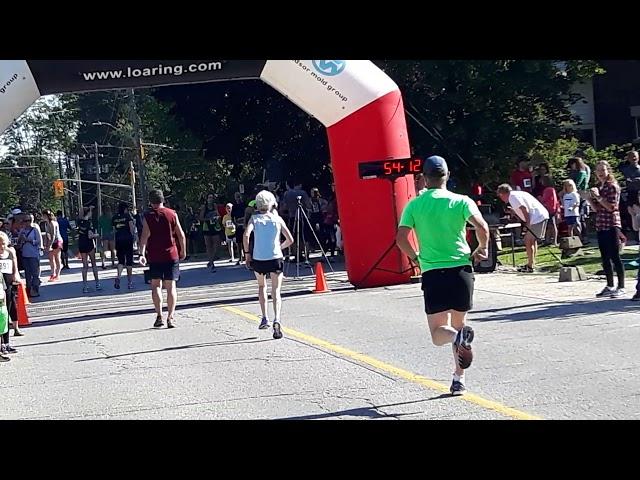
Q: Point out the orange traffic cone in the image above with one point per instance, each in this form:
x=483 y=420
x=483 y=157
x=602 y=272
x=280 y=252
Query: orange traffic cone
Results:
x=21 y=306
x=22 y=288
x=321 y=282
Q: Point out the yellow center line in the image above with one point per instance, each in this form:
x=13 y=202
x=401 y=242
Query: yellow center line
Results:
x=399 y=372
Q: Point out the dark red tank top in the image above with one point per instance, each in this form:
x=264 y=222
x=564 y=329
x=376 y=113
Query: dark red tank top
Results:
x=161 y=246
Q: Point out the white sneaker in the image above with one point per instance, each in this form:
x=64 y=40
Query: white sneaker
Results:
x=606 y=292
x=617 y=293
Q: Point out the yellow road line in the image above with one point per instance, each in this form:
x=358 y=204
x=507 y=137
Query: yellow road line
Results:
x=399 y=372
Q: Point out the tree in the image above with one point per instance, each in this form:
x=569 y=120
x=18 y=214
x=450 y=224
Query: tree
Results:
x=557 y=153
x=248 y=127
x=36 y=141
x=483 y=114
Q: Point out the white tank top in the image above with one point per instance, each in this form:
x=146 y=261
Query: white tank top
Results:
x=266 y=239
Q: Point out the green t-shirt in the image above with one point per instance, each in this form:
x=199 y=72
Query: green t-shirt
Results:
x=105 y=225
x=439 y=218
x=580 y=178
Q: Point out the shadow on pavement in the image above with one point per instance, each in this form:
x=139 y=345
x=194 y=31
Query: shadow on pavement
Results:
x=249 y=299
x=182 y=347
x=555 y=311
x=371 y=412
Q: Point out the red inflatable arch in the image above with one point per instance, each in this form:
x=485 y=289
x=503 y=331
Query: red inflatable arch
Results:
x=360 y=106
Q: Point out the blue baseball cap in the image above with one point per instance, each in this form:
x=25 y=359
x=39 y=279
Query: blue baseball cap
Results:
x=435 y=166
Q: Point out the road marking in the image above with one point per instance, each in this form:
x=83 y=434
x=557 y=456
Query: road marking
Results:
x=399 y=372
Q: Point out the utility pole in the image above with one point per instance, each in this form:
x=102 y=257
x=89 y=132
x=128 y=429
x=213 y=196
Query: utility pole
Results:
x=138 y=147
x=67 y=195
x=64 y=208
x=133 y=188
x=99 y=189
x=79 y=183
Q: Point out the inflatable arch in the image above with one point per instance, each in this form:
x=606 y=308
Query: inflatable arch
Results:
x=360 y=106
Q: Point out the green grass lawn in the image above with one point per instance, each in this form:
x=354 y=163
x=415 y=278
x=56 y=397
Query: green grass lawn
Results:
x=589 y=260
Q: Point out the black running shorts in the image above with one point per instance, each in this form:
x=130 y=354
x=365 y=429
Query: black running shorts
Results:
x=448 y=289
x=124 y=250
x=85 y=245
x=265 y=267
x=164 y=271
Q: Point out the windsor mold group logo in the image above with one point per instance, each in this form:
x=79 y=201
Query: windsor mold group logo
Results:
x=330 y=68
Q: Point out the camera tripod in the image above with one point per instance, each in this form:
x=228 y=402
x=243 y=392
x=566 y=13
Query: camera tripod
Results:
x=298 y=232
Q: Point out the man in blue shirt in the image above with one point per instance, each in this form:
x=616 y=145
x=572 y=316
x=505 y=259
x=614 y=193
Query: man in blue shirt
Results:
x=64 y=233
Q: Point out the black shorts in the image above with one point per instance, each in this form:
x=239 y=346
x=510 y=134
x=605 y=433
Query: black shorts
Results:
x=124 y=250
x=85 y=245
x=239 y=233
x=164 y=270
x=264 y=267
x=448 y=289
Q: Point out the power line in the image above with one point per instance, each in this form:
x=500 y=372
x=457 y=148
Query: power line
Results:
x=16 y=168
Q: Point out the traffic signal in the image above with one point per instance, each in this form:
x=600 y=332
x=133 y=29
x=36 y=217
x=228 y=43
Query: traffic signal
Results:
x=58 y=188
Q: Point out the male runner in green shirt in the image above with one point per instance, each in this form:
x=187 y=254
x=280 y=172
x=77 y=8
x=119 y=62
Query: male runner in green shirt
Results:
x=439 y=218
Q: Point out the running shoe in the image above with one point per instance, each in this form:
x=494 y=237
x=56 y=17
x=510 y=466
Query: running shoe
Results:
x=636 y=297
x=209 y=264
x=4 y=359
x=618 y=292
x=85 y=290
x=277 y=331
x=525 y=269
x=463 y=346
x=171 y=323
x=116 y=284
x=159 y=323
x=9 y=349
x=98 y=287
x=605 y=292
x=213 y=269
x=457 y=388
x=264 y=323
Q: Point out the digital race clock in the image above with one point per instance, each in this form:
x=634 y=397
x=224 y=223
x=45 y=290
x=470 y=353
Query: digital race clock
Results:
x=390 y=168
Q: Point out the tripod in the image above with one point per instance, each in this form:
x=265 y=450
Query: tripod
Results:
x=413 y=265
x=298 y=232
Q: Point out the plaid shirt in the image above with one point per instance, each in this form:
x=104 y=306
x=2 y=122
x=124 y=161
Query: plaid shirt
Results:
x=606 y=220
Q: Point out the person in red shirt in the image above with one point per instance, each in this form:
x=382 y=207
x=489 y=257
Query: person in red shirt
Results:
x=521 y=178
x=160 y=229
x=549 y=198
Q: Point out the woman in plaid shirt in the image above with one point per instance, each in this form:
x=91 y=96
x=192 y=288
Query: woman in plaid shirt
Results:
x=605 y=200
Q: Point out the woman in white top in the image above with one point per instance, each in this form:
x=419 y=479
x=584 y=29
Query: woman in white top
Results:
x=265 y=256
x=571 y=206
x=53 y=244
